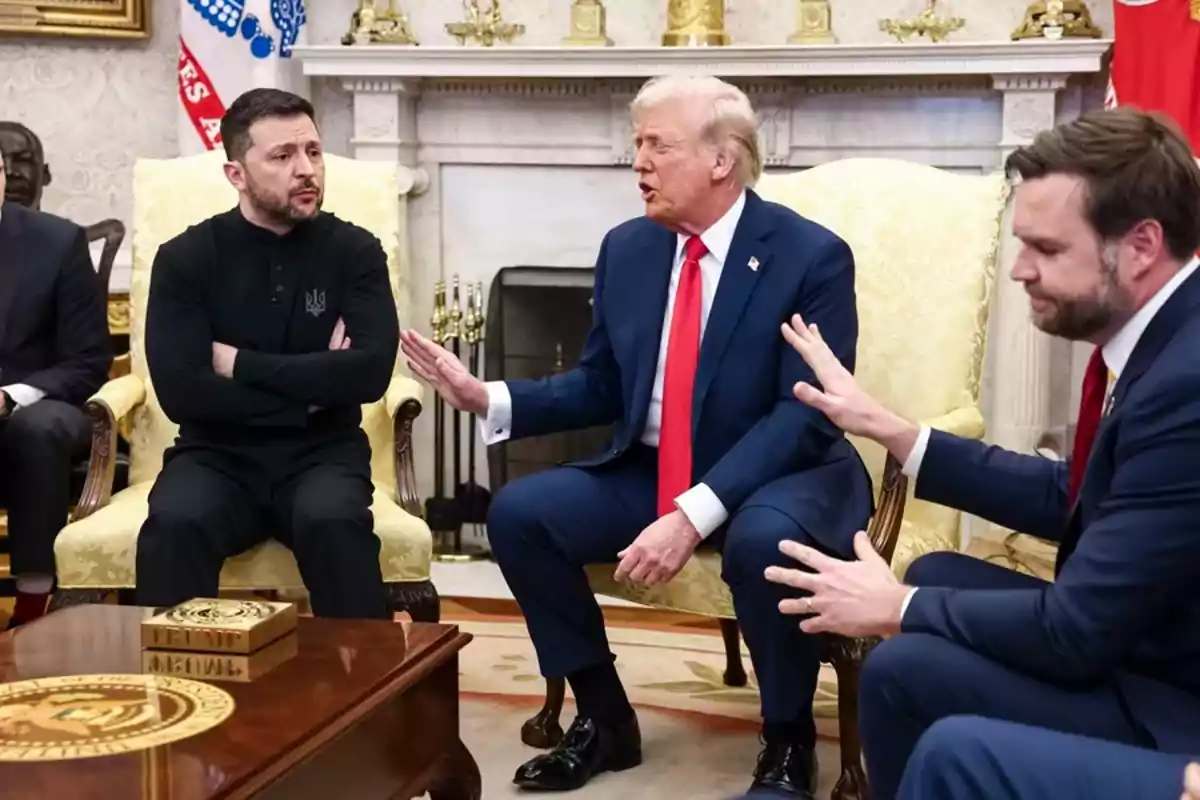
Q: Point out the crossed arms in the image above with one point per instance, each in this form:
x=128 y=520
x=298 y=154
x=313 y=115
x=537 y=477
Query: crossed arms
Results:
x=266 y=389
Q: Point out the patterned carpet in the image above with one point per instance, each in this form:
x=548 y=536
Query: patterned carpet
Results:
x=700 y=736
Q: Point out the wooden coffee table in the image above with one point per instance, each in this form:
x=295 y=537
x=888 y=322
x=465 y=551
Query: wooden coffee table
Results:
x=364 y=710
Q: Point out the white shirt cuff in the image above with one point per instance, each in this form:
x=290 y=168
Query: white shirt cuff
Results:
x=912 y=464
x=703 y=509
x=907 y=599
x=496 y=427
x=23 y=395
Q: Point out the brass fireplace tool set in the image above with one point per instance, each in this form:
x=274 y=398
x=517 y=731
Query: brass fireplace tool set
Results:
x=467 y=502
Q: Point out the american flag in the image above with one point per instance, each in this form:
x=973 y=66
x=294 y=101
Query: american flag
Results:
x=225 y=48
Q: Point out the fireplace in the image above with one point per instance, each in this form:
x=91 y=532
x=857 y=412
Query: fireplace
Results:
x=537 y=323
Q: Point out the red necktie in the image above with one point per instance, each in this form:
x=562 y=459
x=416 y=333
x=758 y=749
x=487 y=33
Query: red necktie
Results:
x=683 y=353
x=1091 y=407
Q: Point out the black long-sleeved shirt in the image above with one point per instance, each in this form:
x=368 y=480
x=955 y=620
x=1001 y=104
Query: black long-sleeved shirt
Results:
x=276 y=299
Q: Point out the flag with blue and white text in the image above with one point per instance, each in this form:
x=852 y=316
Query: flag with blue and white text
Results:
x=227 y=47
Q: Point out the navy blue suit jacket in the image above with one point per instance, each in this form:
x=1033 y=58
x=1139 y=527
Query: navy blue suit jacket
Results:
x=1125 y=604
x=748 y=428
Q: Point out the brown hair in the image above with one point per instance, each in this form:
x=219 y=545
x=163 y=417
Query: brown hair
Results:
x=1136 y=165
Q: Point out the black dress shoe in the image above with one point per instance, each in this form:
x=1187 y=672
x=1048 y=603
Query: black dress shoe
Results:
x=786 y=769
x=587 y=748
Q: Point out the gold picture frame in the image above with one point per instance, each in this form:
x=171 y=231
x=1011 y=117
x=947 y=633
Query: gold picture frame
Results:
x=99 y=19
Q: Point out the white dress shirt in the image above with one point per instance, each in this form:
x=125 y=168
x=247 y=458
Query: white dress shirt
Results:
x=22 y=394
x=699 y=503
x=1116 y=353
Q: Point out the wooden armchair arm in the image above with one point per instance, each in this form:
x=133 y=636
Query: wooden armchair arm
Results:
x=115 y=400
x=403 y=404
x=847 y=654
x=884 y=529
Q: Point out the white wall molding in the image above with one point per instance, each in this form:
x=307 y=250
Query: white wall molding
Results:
x=947 y=58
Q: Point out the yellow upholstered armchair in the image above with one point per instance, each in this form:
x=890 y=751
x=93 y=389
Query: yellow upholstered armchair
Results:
x=95 y=554
x=926 y=244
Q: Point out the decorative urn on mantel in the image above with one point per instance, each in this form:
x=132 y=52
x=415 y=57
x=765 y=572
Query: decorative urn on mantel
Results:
x=695 y=23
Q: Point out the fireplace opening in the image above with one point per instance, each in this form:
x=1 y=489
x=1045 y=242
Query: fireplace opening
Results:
x=537 y=323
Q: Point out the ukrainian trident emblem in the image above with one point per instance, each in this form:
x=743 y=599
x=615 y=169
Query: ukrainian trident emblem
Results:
x=314 y=302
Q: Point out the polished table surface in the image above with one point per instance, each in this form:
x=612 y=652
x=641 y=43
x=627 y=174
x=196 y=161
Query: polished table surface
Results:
x=343 y=672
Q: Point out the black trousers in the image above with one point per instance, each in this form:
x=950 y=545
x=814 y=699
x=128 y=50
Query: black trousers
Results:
x=212 y=502
x=38 y=445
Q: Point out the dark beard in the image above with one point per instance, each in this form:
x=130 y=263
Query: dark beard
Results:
x=1078 y=319
x=1083 y=317
x=281 y=211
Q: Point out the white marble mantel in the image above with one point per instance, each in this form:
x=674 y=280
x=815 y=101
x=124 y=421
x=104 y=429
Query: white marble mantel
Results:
x=543 y=131
x=1028 y=57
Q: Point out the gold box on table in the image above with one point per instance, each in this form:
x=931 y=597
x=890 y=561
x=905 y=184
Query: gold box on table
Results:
x=219 y=638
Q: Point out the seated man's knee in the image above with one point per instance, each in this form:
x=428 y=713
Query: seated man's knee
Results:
x=329 y=513
x=42 y=429
x=891 y=663
x=931 y=569
x=512 y=513
x=170 y=517
x=947 y=744
x=752 y=543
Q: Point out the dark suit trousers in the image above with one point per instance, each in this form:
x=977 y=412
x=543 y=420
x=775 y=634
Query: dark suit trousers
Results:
x=545 y=527
x=968 y=758
x=38 y=445
x=210 y=503
x=911 y=681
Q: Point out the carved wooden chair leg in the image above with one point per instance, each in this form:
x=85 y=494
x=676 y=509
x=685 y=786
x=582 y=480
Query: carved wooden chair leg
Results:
x=543 y=729
x=847 y=656
x=65 y=598
x=735 y=671
x=418 y=599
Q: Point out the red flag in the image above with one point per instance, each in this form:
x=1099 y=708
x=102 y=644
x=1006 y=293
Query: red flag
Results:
x=1156 y=60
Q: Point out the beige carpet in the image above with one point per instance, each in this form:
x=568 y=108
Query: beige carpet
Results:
x=700 y=737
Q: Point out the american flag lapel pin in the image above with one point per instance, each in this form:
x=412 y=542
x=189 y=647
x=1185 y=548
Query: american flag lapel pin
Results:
x=752 y=264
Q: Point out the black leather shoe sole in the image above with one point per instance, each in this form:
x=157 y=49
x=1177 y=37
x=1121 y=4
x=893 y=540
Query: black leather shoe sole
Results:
x=617 y=763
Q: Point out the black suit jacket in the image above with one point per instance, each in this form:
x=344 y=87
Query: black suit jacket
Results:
x=1125 y=605
x=53 y=321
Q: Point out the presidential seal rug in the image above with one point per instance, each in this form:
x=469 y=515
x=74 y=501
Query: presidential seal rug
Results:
x=700 y=737
x=86 y=716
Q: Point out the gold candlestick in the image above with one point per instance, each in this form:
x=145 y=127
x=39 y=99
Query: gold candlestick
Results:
x=437 y=323
x=814 y=24
x=1054 y=19
x=454 y=317
x=480 y=319
x=695 y=23
x=371 y=25
x=485 y=27
x=588 y=28
x=927 y=23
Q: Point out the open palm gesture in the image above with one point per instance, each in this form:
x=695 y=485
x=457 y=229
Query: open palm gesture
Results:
x=840 y=398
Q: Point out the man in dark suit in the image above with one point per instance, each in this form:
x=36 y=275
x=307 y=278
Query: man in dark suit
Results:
x=54 y=354
x=966 y=758
x=1108 y=215
x=25 y=165
x=684 y=356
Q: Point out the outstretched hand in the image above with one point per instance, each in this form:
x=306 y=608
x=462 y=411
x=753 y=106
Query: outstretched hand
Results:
x=442 y=370
x=853 y=598
x=840 y=398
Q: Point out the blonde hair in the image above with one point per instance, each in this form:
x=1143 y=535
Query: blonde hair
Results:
x=731 y=122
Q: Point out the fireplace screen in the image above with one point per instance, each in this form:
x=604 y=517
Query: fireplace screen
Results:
x=537 y=322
